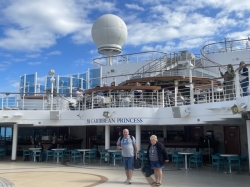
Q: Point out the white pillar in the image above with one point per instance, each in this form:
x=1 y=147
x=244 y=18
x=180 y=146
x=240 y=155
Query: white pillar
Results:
x=248 y=141
x=237 y=84
x=107 y=137
x=138 y=136
x=175 y=92
x=14 y=142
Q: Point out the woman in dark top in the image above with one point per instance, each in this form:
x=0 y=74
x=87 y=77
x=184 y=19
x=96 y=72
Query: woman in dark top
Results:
x=157 y=155
x=244 y=82
x=39 y=145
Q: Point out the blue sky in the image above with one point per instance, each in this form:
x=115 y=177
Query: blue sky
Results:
x=36 y=36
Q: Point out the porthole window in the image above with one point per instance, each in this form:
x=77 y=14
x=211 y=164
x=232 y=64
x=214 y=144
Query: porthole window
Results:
x=231 y=135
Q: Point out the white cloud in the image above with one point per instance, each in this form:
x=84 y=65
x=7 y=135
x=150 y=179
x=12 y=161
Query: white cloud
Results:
x=19 y=59
x=80 y=62
x=134 y=6
x=4 y=65
x=34 y=63
x=15 y=84
x=35 y=55
x=55 y=53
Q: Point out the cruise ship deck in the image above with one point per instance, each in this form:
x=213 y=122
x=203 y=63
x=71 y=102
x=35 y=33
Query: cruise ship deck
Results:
x=22 y=174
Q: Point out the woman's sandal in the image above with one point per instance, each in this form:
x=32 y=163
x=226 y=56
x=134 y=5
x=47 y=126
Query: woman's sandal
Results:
x=154 y=183
x=158 y=184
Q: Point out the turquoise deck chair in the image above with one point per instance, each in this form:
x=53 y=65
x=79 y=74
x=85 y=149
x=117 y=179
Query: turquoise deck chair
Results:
x=218 y=161
x=49 y=154
x=58 y=154
x=142 y=156
x=36 y=154
x=233 y=161
x=244 y=160
x=67 y=154
x=197 y=159
x=75 y=155
x=91 y=154
x=3 y=152
x=26 y=153
x=116 y=156
x=103 y=156
x=176 y=159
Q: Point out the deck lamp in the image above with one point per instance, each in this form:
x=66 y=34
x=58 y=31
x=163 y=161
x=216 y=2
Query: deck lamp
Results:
x=106 y=114
x=52 y=80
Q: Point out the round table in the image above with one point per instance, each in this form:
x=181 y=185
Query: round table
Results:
x=184 y=153
x=58 y=149
x=34 y=150
x=83 y=154
x=228 y=155
x=113 y=151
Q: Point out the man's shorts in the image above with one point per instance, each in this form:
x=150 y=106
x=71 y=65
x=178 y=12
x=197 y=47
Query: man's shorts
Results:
x=128 y=163
x=156 y=165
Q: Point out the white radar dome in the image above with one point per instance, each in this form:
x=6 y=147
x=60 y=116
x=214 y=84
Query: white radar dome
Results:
x=109 y=33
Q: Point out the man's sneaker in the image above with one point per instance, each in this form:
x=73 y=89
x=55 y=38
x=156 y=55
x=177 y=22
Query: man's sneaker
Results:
x=129 y=182
x=126 y=181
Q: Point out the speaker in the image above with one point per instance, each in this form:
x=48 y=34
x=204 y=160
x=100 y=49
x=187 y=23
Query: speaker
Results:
x=180 y=111
x=54 y=115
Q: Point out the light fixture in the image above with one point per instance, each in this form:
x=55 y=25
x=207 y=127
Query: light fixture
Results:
x=238 y=108
x=106 y=114
x=5 y=116
x=18 y=115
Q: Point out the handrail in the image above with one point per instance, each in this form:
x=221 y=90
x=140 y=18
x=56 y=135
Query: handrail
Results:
x=123 y=55
x=216 y=43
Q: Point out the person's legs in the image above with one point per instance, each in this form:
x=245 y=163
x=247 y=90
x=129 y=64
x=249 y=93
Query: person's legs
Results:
x=160 y=175
x=130 y=168
x=125 y=163
x=156 y=175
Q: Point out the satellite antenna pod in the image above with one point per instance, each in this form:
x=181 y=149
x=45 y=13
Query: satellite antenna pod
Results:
x=109 y=32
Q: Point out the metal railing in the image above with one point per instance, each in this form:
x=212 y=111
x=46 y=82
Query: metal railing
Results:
x=129 y=58
x=203 y=92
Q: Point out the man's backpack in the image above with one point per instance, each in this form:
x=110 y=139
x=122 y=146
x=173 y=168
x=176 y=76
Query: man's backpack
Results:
x=131 y=137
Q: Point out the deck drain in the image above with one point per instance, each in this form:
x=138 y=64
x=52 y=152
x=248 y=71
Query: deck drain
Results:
x=5 y=183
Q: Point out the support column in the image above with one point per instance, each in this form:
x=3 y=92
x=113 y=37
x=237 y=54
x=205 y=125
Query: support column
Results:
x=138 y=136
x=175 y=92
x=107 y=137
x=248 y=142
x=14 y=142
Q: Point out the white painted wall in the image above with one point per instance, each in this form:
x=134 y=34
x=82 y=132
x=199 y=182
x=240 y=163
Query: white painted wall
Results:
x=234 y=57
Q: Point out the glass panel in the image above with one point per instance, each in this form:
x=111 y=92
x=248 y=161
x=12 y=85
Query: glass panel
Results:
x=2 y=135
x=64 y=85
x=93 y=74
x=30 y=84
x=84 y=77
x=8 y=135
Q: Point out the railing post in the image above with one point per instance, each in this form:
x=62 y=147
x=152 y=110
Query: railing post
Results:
x=175 y=92
x=163 y=103
x=237 y=84
x=92 y=99
x=212 y=84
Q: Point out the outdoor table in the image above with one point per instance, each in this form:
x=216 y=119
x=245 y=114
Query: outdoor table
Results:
x=34 y=150
x=83 y=154
x=228 y=155
x=58 y=149
x=184 y=153
x=113 y=151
